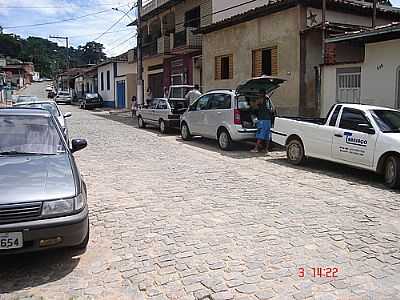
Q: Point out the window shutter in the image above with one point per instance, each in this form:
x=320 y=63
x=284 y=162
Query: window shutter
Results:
x=274 y=61
x=231 y=66
x=218 y=68
x=257 y=63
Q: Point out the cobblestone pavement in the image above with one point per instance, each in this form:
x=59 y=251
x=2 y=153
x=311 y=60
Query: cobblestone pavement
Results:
x=177 y=220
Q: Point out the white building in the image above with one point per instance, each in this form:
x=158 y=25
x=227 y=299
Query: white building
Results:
x=373 y=78
x=117 y=82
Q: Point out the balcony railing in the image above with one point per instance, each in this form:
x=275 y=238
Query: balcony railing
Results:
x=150 y=48
x=164 y=44
x=153 y=4
x=187 y=38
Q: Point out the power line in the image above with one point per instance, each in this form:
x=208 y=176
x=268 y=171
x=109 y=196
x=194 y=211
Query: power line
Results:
x=69 y=4
x=113 y=25
x=122 y=43
x=59 y=21
x=96 y=33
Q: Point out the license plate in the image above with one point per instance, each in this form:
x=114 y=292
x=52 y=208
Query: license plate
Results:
x=11 y=240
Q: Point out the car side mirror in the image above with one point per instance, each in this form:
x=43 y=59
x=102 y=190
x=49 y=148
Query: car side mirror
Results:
x=366 y=128
x=78 y=144
x=67 y=115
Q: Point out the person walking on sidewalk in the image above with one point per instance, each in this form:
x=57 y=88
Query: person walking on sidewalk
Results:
x=134 y=106
x=264 y=112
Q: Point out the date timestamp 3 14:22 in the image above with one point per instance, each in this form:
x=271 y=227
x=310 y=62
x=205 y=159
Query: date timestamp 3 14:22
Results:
x=319 y=272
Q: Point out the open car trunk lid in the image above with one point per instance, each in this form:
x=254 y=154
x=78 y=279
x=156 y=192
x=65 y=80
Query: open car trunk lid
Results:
x=253 y=87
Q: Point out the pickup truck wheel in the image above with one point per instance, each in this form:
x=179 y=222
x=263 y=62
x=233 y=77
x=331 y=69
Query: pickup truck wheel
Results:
x=141 y=123
x=224 y=140
x=185 y=132
x=295 y=152
x=392 y=172
x=163 y=127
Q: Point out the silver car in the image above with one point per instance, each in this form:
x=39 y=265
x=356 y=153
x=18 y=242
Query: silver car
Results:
x=42 y=195
x=225 y=115
x=51 y=107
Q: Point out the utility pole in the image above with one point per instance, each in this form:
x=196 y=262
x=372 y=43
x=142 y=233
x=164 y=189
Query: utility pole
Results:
x=140 y=84
x=66 y=44
x=323 y=29
x=374 y=14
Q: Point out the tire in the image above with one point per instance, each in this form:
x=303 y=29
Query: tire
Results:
x=141 y=123
x=224 y=140
x=295 y=152
x=391 y=172
x=185 y=132
x=163 y=127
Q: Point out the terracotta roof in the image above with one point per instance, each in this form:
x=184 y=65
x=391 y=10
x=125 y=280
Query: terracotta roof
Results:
x=346 y=6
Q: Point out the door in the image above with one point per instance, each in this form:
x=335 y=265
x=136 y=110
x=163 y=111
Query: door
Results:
x=355 y=138
x=156 y=85
x=219 y=113
x=121 y=94
x=196 y=115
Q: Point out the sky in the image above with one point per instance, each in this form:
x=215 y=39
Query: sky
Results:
x=119 y=38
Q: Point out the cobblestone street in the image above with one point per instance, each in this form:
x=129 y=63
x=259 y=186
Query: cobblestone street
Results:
x=182 y=220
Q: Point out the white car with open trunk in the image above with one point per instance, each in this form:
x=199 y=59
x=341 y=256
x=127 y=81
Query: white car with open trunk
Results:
x=362 y=136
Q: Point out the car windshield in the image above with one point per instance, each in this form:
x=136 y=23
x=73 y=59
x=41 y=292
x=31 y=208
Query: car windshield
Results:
x=30 y=135
x=50 y=107
x=27 y=99
x=91 y=96
x=63 y=94
x=387 y=120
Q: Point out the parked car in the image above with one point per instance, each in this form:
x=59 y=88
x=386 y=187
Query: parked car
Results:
x=91 y=100
x=22 y=99
x=165 y=113
x=366 y=137
x=49 y=89
x=225 y=115
x=53 y=108
x=43 y=204
x=63 y=97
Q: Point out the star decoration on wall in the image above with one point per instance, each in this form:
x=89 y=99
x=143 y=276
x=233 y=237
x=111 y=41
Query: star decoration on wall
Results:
x=312 y=18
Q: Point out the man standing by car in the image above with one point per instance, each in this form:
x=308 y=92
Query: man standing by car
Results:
x=193 y=94
x=264 y=112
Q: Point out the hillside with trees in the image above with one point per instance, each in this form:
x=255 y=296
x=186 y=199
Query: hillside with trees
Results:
x=47 y=56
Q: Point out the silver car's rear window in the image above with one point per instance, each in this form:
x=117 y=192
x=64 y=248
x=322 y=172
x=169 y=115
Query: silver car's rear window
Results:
x=30 y=135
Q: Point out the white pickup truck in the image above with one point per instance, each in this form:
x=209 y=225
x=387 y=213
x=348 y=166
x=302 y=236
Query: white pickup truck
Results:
x=362 y=136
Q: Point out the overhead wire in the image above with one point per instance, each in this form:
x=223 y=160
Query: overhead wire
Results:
x=59 y=21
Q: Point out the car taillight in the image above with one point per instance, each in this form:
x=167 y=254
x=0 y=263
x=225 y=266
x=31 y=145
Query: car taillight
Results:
x=236 y=117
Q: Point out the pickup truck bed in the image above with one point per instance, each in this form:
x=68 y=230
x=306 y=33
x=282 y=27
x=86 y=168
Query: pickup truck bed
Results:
x=319 y=121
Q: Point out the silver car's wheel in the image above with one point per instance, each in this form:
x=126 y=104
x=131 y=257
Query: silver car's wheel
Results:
x=295 y=152
x=141 y=122
x=163 y=127
x=185 y=133
x=392 y=172
x=224 y=140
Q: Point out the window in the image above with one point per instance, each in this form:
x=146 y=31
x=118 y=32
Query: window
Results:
x=220 y=101
x=265 y=62
x=352 y=119
x=192 y=18
x=202 y=103
x=162 y=104
x=102 y=81
x=224 y=67
x=348 y=83
x=335 y=116
x=108 y=81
